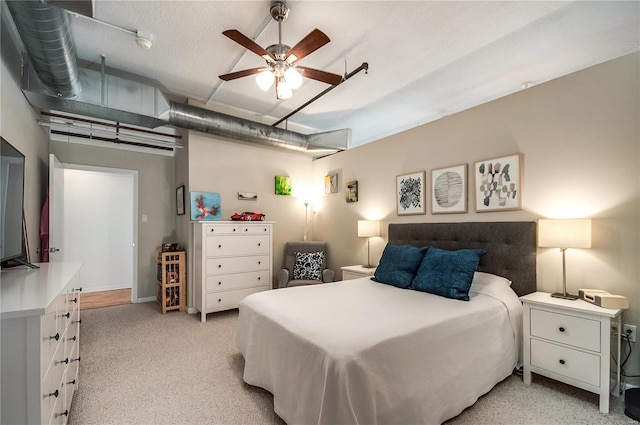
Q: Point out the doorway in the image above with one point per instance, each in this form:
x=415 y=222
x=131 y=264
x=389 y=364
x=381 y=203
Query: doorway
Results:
x=100 y=227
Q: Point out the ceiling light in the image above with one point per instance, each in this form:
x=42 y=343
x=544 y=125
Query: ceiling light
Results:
x=143 y=40
x=283 y=90
x=264 y=80
x=293 y=77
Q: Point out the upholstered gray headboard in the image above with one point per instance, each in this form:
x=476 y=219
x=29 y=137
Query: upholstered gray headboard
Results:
x=510 y=246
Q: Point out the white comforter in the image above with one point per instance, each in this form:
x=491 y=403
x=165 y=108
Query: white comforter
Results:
x=361 y=352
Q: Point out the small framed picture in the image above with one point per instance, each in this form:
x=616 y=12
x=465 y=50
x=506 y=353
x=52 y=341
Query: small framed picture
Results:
x=283 y=185
x=205 y=206
x=449 y=190
x=180 y=200
x=410 y=193
x=498 y=183
x=352 y=191
x=331 y=183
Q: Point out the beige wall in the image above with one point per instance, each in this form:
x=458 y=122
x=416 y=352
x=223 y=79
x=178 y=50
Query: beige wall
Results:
x=18 y=126
x=156 y=198
x=581 y=143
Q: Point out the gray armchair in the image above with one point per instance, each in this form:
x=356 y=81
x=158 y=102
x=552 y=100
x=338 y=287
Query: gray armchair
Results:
x=285 y=276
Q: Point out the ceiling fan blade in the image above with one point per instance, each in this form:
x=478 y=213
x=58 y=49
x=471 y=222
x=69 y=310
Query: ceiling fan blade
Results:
x=248 y=43
x=312 y=42
x=240 y=74
x=316 y=74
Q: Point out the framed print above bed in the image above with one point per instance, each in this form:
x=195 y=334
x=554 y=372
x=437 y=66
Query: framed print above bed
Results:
x=498 y=183
x=180 y=200
x=449 y=190
x=410 y=193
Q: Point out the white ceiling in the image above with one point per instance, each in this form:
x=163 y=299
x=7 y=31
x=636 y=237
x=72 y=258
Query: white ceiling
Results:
x=427 y=59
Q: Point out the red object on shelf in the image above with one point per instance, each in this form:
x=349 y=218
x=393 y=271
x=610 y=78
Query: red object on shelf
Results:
x=248 y=216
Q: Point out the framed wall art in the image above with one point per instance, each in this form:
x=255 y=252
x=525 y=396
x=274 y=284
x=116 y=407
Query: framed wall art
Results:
x=331 y=183
x=180 y=200
x=247 y=196
x=205 y=206
x=498 y=183
x=410 y=193
x=449 y=190
x=283 y=185
x=352 y=191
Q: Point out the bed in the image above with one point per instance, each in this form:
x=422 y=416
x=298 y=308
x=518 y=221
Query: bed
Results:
x=364 y=352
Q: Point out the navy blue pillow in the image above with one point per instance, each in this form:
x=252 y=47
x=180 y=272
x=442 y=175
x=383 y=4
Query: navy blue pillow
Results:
x=398 y=265
x=447 y=273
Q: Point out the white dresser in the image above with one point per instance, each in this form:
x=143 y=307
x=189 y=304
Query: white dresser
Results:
x=231 y=260
x=40 y=342
x=570 y=341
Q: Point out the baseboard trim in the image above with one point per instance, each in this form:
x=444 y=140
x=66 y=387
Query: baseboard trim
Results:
x=145 y=299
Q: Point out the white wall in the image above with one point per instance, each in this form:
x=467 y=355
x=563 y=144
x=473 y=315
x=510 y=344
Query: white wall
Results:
x=581 y=143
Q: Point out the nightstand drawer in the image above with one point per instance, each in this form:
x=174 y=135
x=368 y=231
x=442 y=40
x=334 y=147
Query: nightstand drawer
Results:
x=565 y=361
x=566 y=329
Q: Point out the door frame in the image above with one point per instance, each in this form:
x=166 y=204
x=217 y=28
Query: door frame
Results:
x=134 y=174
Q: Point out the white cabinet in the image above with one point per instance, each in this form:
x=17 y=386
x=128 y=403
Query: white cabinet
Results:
x=40 y=342
x=356 y=272
x=570 y=341
x=231 y=260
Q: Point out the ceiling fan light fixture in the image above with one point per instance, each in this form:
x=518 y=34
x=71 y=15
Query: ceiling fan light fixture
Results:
x=283 y=90
x=293 y=78
x=264 y=80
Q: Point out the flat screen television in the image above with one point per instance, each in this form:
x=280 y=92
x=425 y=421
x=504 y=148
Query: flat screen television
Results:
x=12 y=232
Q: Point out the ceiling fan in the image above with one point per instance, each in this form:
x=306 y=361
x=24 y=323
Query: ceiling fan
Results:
x=282 y=67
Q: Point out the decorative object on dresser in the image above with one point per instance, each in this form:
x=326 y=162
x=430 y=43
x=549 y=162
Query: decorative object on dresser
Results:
x=410 y=193
x=449 y=190
x=570 y=341
x=563 y=234
x=231 y=261
x=171 y=278
x=498 y=183
x=356 y=272
x=305 y=263
x=40 y=347
x=368 y=229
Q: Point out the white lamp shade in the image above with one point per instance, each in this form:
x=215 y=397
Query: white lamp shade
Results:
x=564 y=233
x=293 y=77
x=368 y=228
x=283 y=90
x=264 y=80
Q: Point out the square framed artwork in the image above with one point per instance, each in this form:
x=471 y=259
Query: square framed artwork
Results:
x=283 y=185
x=180 y=200
x=205 y=206
x=352 y=191
x=498 y=183
x=449 y=189
x=410 y=193
x=331 y=183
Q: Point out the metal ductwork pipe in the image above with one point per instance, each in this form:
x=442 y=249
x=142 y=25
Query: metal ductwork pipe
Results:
x=46 y=35
x=206 y=121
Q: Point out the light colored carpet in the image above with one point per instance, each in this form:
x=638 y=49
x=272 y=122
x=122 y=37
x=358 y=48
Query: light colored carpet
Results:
x=141 y=367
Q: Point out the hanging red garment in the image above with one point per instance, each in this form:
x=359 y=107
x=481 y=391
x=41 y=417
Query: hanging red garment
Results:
x=44 y=231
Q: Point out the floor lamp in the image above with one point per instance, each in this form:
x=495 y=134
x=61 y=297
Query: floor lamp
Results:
x=368 y=229
x=563 y=234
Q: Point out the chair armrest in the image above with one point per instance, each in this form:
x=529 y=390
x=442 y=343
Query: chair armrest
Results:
x=282 y=277
x=328 y=275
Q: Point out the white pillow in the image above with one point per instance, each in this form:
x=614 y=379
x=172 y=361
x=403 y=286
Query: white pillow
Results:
x=488 y=278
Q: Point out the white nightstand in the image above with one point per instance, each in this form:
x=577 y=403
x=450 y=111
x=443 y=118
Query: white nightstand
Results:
x=570 y=341
x=355 y=272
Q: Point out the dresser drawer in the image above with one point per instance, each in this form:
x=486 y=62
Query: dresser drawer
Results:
x=257 y=229
x=217 y=266
x=226 y=300
x=566 y=329
x=226 y=282
x=218 y=246
x=574 y=364
x=222 y=230
x=52 y=382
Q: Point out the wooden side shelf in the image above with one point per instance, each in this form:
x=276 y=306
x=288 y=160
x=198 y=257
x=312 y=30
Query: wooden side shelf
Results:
x=171 y=278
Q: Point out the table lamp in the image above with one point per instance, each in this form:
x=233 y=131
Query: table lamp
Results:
x=368 y=229
x=563 y=234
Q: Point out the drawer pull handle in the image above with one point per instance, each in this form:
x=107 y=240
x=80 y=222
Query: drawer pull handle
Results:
x=75 y=360
x=234 y=229
x=76 y=289
x=219 y=266
x=219 y=300
x=561 y=329
x=259 y=244
x=56 y=336
x=54 y=394
x=66 y=315
x=77 y=321
x=65 y=361
x=75 y=300
x=71 y=382
x=562 y=361
x=72 y=339
x=220 y=246
x=219 y=283
x=259 y=262
x=246 y=230
x=65 y=413
x=259 y=278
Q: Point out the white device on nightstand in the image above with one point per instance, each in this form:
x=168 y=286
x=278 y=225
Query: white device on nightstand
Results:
x=570 y=341
x=356 y=272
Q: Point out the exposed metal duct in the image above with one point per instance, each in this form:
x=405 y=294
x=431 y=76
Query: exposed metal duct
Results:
x=122 y=100
x=46 y=35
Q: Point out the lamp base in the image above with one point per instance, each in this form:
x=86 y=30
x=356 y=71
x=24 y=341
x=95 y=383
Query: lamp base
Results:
x=564 y=296
x=368 y=266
